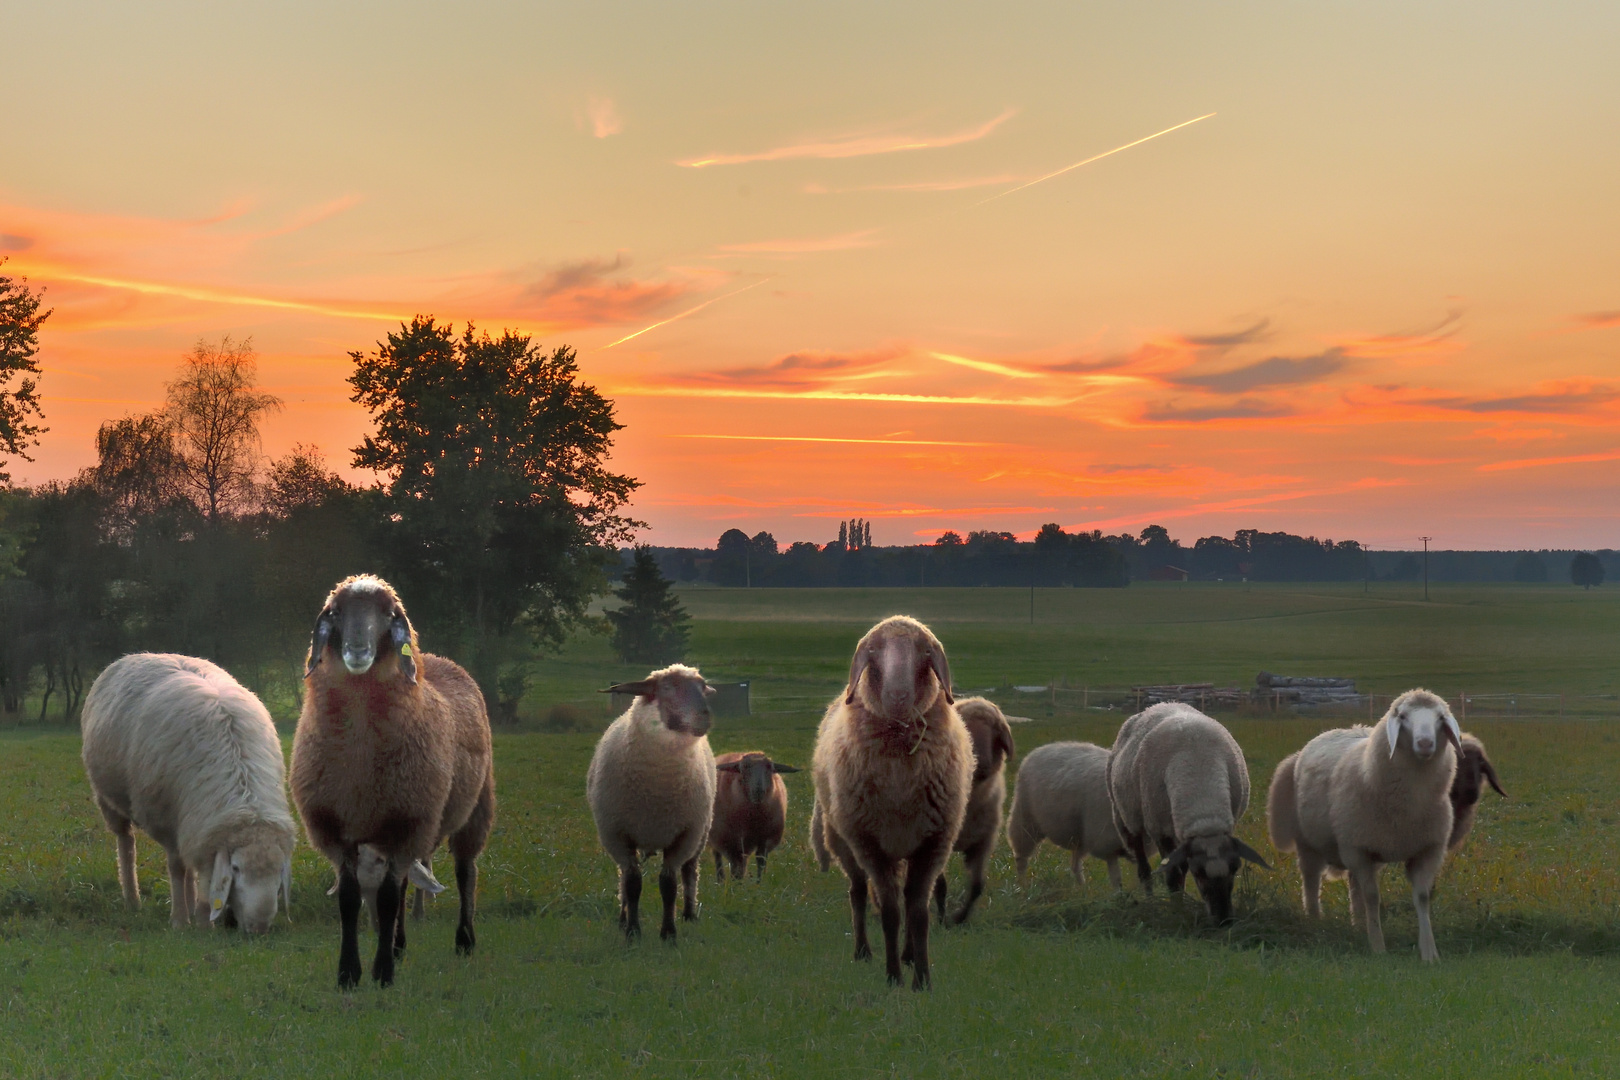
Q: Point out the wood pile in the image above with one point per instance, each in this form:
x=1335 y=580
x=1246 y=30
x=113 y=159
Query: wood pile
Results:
x=1199 y=695
x=1305 y=690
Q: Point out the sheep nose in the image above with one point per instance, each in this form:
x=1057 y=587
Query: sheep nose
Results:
x=1424 y=745
x=358 y=661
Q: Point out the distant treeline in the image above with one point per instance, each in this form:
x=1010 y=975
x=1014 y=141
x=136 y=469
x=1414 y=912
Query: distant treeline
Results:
x=1088 y=560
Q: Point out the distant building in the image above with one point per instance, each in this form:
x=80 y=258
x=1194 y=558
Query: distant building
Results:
x=1167 y=573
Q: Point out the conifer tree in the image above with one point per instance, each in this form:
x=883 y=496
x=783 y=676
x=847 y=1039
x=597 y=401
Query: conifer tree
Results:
x=651 y=628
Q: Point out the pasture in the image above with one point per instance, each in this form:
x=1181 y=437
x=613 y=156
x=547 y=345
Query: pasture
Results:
x=1055 y=979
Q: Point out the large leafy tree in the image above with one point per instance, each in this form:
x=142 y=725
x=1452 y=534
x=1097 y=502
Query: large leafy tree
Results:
x=20 y=320
x=502 y=510
x=214 y=409
x=652 y=626
x=1586 y=570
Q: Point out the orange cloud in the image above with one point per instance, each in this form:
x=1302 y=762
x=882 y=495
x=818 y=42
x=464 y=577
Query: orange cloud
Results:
x=1598 y=320
x=1534 y=463
x=592 y=292
x=849 y=146
x=805 y=246
x=604 y=117
x=918 y=185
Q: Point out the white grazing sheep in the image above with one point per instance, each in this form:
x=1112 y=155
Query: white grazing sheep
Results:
x=651 y=788
x=981 y=824
x=392 y=751
x=1062 y=796
x=176 y=746
x=893 y=766
x=1355 y=798
x=1178 y=778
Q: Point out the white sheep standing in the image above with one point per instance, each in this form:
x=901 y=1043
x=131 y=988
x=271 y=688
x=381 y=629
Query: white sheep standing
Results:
x=1355 y=798
x=174 y=745
x=1061 y=795
x=651 y=788
x=1178 y=778
x=893 y=766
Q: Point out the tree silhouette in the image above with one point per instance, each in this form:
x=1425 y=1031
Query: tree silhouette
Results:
x=651 y=628
x=214 y=409
x=1586 y=570
x=20 y=320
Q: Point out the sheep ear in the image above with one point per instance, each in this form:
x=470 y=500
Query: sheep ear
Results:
x=942 y=669
x=1004 y=739
x=729 y=766
x=219 y=887
x=1247 y=852
x=1490 y=774
x=1453 y=732
x=400 y=631
x=421 y=876
x=1176 y=860
x=647 y=688
x=1392 y=728
x=317 y=643
x=778 y=767
x=857 y=667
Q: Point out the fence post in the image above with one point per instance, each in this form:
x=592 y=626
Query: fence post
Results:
x=1464 y=716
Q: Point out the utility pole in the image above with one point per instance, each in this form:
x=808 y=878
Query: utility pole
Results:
x=1425 y=540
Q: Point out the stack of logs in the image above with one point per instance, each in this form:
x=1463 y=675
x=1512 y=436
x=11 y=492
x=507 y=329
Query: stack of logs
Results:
x=1201 y=695
x=1299 y=690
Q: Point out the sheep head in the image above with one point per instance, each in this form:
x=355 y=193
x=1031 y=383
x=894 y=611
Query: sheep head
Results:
x=364 y=620
x=1426 y=718
x=1214 y=862
x=899 y=669
x=681 y=694
x=991 y=734
x=758 y=773
x=1472 y=766
x=248 y=880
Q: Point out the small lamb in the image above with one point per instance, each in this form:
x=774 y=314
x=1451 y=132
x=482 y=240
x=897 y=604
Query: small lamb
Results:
x=750 y=811
x=981 y=825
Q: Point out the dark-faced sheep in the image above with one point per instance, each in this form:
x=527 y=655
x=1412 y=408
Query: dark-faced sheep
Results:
x=992 y=747
x=392 y=751
x=174 y=745
x=1472 y=767
x=750 y=811
x=893 y=767
x=1356 y=798
x=1178 y=778
x=651 y=788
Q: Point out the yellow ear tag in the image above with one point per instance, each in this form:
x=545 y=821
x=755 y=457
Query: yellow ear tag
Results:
x=405 y=649
x=218 y=903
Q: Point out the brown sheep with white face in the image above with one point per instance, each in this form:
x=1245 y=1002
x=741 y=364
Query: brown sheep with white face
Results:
x=992 y=748
x=750 y=811
x=893 y=767
x=392 y=751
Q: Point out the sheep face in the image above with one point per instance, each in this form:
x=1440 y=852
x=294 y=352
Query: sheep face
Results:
x=899 y=669
x=758 y=773
x=991 y=735
x=1425 y=719
x=681 y=695
x=1214 y=862
x=1473 y=767
x=364 y=621
x=247 y=883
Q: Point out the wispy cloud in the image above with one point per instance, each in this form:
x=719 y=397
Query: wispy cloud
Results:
x=1441 y=337
x=848 y=146
x=1598 y=320
x=603 y=116
x=684 y=314
x=917 y=185
x=13 y=242
x=1568 y=459
x=987 y=365
x=205 y=294
x=1249 y=334
x=1555 y=399
x=814 y=394
x=1242 y=409
x=1273 y=371
x=596 y=292
x=806 y=369
x=832 y=439
x=1095 y=157
x=804 y=245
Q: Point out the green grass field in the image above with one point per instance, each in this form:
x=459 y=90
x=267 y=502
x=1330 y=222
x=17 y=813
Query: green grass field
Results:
x=1055 y=979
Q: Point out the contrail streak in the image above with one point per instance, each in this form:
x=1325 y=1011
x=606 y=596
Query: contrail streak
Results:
x=689 y=311
x=1089 y=160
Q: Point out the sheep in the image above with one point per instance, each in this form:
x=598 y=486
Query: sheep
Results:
x=893 y=767
x=651 y=788
x=992 y=740
x=1355 y=798
x=750 y=811
x=1465 y=788
x=174 y=745
x=818 y=838
x=1177 y=777
x=392 y=751
x=1062 y=796
x=370 y=866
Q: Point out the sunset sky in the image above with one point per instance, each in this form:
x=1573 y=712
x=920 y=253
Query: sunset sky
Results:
x=827 y=262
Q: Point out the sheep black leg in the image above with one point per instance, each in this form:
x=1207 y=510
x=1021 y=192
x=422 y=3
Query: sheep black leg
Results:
x=666 y=890
x=630 y=901
x=890 y=909
x=919 y=883
x=719 y=866
x=399 y=923
x=941 y=889
x=974 y=860
x=382 y=968
x=467 y=890
x=1174 y=880
x=1137 y=846
x=349 y=915
x=759 y=867
x=857 y=914
x=689 y=888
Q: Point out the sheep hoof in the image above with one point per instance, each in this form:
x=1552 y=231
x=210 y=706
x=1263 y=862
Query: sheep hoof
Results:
x=348 y=977
x=921 y=981
x=863 y=951
x=465 y=940
x=667 y=934
x=896 y=979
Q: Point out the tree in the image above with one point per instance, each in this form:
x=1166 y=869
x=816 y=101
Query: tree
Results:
x=1586 y=570
x=651 y=628
x=501 y=509
x=214 y=409
x=1529 y=568
x=949 y=538
x=20 y=320
x=137 y=473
